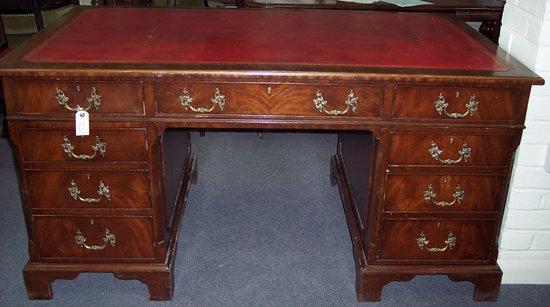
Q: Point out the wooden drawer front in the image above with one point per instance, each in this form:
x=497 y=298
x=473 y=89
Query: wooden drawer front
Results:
x=436 y=240
x=451 y=149
x=111 y=97
x=267 y=99
x=455 y=104
x=101 y=145
x=442 y=193
x=89 y=189
x=113 y=237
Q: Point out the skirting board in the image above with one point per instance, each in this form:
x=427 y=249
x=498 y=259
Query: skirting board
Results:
x=525 y=271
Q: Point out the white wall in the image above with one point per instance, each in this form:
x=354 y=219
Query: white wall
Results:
x=525 y=239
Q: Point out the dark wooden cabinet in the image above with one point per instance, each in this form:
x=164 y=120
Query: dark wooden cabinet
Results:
x=422 y=163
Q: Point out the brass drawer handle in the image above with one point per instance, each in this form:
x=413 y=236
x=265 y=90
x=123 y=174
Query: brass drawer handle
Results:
x=102 y=190
x=423 y=243
x=217 y=100
x=94 y=100
x=441 y=107
x=109 y=239
x=458 y=197
x=319 y=102
x=464 y=153
x=99 y=146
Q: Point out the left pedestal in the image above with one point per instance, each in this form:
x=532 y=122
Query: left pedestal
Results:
x=108 y=202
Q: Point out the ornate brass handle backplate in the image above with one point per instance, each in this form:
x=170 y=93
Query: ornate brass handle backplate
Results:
x=423 y=243
x=108 y=239
x=464 y=153
x=217 y=100
x=99 y=147
x=441 y=107
x=94 y=100
x=429 y=196
x=351 y=103
x=102 y=190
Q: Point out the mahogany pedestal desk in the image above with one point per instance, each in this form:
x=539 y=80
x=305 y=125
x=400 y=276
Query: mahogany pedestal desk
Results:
x=429 y=115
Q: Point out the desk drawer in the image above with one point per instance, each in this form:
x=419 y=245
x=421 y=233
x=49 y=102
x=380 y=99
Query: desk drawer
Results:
x=88 y=189
x=268 y=99
x=102 y=145
x=442 y=240
x=443 y=193
x=455 y=104
x=450 y=149
x=102 y=97
x=94 y=238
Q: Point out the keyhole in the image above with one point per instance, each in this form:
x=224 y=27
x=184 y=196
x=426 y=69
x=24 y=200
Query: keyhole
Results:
x=78 y=88
x=92 y=221
x=444 y=179
x=451 y=140
x=438 y=224
x=88 y=176
x=457 y=94
x=269 y=90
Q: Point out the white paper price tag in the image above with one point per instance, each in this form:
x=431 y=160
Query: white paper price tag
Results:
x=82 y=123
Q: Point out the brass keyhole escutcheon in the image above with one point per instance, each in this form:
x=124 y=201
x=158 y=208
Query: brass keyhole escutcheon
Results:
x=269 y=90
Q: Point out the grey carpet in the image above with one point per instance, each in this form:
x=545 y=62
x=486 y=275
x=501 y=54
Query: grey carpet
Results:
x=263 y=227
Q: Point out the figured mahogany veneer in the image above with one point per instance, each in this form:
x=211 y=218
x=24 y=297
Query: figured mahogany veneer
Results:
x=486 y=150
x=399 y=242
x=55 y=237
x=429 y=115
x=115 y=98
x=413 y=102
x=126 y=189
x=120 y=145
x=269 y=99
x=405 y=192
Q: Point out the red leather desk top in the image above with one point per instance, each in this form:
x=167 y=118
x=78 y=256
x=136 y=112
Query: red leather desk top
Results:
x=327 y=38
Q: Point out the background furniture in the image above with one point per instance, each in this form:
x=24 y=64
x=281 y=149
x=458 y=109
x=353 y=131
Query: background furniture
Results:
x=422 y=162
x=488 y=12
x=35 y=7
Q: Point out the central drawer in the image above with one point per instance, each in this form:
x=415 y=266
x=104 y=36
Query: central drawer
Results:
x=94 y=238
x=104 y=189
x=186 y=98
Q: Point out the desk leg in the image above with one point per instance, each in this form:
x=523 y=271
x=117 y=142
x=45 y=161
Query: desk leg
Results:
x=160 y=283
x=486 y=283
x=38 y=280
